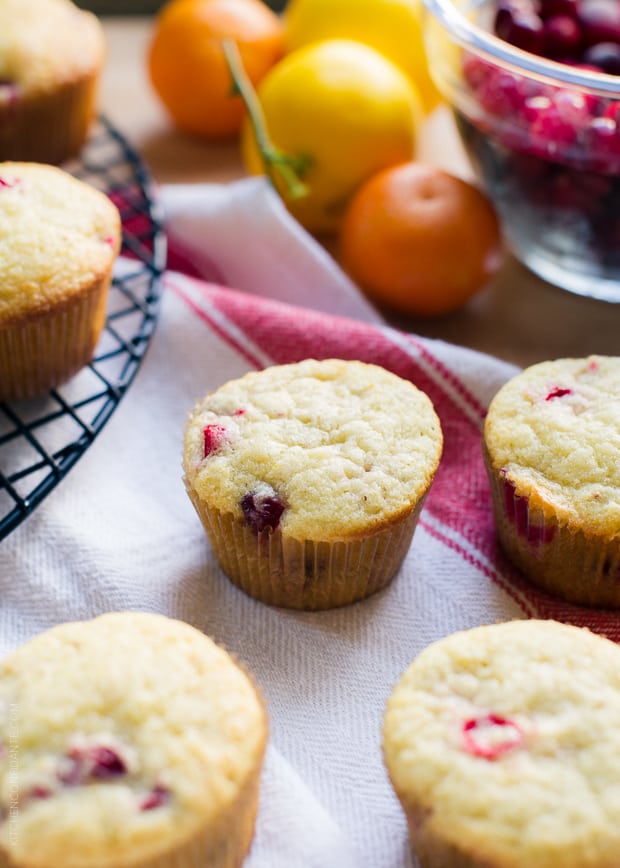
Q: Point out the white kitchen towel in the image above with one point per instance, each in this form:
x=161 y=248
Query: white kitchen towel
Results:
x=120 y=533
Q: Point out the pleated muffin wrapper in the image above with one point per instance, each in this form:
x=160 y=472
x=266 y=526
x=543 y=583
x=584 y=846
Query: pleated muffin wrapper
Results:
x=47 y=348
x=223 y=844
x=306 y=574
x=574 y=564
x=431 y=849
x=48 y=127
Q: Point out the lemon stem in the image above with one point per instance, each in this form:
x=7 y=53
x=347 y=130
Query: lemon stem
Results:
x=289 y=167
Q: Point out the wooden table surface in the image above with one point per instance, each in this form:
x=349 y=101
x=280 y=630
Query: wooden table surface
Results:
x=518 y=317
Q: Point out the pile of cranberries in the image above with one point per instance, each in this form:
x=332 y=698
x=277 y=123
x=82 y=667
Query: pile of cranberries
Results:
x=551 y=120
x=581 y=32
x=547 y=149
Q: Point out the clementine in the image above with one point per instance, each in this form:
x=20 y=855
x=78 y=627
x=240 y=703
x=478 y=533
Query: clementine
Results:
x=419 y=240
x=187 y=66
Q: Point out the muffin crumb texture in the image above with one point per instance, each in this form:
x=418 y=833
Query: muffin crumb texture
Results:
x=44 y=43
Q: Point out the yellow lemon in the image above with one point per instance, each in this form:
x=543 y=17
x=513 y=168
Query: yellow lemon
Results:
x=392 y=27
x=342 y=112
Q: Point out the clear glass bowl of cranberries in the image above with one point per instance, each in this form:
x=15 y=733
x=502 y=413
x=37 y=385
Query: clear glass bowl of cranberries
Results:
x=535 y=89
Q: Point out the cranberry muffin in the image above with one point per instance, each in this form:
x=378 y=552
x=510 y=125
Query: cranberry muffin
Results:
x=552 y=452
x=128 y=741
x=502 y=745
x=51 y=57
x=309 y=478
x=59 y=239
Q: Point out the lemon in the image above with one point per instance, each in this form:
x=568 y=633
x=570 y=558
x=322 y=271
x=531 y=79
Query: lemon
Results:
x=392 y=27
x=346 y=112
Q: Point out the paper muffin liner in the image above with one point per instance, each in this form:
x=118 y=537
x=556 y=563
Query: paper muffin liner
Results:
x=45 y=350
x=306 y=574
x=573 y=564
x=225 y=846
x=48 y=128
x=431 y=850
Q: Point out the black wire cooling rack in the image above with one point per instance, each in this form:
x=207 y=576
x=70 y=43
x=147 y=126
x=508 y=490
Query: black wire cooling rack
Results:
x=41 y=440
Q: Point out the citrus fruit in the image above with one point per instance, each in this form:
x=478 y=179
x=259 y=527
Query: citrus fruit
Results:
x=345 y=112
x=419 y=240
x=392 y=27
x=187 y=66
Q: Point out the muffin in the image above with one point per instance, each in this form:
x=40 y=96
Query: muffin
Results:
x=51 y=57
x=552 y=452
x=59 y=238
x=309 y=478
x=130 y=740
x=503 y=747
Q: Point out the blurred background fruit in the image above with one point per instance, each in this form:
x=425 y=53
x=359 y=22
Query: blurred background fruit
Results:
x=419 y=240
x=392 y=27
x=187 y=66
x=346 y=111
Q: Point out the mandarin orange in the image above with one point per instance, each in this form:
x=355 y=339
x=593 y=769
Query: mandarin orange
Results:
x=419 y=240
x=187 y=66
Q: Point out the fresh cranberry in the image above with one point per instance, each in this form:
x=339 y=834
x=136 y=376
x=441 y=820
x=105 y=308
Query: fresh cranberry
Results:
x=106 y=763
x=576 y=107
x=9 y=92
x=549 y=8
x=518 y=513
x=491 y=736
x=38 y=792
x=158 y=797
x=605 y=56
x=262 y=509
x=602 y=140
x=611 y=110
x=562 y=36
x=558 y=392
x=600 y=21
x=551 y=132
x=475 y=70
x=93 y=763
x=518 y=24
x=214 y=437
x=502 y=93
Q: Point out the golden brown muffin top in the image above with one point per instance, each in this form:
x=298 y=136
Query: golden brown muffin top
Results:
x=46 y=43
x=345 y=447
x=554 y=433
x=58 y=236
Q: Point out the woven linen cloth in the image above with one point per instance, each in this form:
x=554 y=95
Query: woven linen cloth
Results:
x=120 y=533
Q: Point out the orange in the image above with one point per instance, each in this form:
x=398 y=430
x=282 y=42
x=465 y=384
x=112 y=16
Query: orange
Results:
x=187 y=66
x=419 y=240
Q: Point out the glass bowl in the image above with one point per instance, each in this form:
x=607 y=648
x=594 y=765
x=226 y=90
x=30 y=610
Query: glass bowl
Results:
x=544 y=139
